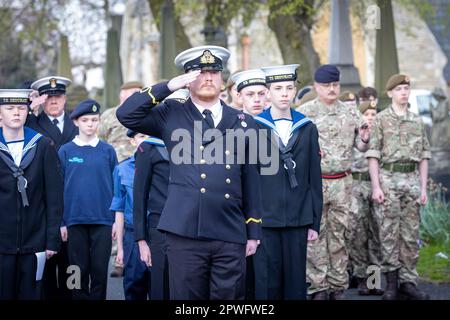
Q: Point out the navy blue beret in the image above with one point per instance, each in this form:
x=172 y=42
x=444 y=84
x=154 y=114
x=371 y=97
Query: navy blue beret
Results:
x=327 y=73
x=131 y=133
x=88 y=106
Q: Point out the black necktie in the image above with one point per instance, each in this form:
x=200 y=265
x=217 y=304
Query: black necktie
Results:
x=208 y=118
x=55 y=122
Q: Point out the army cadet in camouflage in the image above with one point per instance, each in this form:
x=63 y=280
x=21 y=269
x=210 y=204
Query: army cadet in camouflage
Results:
x=110 y=128
x=115 y=134
x=340 y=129
x=362 y=236
x=401 y=149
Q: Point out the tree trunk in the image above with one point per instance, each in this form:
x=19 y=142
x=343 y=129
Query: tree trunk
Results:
x=295 y=43
x=182 y=39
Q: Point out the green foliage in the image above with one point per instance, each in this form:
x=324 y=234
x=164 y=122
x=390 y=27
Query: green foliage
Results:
x=293 y=7
x=433 y=267
x=435 y=217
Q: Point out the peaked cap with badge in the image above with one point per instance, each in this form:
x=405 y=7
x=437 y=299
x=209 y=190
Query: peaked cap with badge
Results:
x=52 y=86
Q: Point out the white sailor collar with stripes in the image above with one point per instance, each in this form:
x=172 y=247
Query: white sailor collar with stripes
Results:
x=30 y=140
x=298 y=120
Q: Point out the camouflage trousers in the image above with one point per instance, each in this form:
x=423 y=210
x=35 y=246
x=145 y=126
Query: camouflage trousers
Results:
x=398 y=220
x=327 y=256
x=362 y=236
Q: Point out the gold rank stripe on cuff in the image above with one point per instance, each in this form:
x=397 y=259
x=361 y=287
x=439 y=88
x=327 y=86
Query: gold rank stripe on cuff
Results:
x=253 y=220
x=149 y=91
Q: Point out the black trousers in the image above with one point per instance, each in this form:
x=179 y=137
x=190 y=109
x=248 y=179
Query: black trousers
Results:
x=205 y=269
x=159 y=272
x=90 y=250
x=55 y=276
x=18 y=277
x=280 y=264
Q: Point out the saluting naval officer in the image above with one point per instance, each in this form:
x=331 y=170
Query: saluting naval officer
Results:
x=212 y=212
x=292 y=198
x=54 y=123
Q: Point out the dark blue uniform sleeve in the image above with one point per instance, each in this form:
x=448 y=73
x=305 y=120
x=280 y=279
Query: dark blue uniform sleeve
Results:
x=118 y=201
x=251 y=193
x=315 y=179
x=54 y=193
x=141 y=189
x=143 y=112
x=62 y=163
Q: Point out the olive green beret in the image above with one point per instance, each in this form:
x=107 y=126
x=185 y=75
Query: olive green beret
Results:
x=366 y=105
x=396 y=80
x=347 y=96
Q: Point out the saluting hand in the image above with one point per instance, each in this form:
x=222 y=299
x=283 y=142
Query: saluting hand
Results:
x=181 y=81
x=37 y=101
x=146 y=255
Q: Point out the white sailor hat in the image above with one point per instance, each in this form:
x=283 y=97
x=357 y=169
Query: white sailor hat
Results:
x=249 y=78
x=180 y=95
x=53 y=85
x=281 y=73
x=202 y=58
x=14 y=96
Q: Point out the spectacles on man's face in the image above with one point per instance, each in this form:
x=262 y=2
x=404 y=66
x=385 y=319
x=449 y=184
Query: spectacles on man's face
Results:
x=330 y=85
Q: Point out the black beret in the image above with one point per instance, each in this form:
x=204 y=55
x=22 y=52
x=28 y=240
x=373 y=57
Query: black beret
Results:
x=88 y=106
x=327 y=73
x=131 y=133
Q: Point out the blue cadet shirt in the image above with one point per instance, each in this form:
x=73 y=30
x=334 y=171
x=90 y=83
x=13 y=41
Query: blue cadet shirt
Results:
x=123 y=189
x=88 y=182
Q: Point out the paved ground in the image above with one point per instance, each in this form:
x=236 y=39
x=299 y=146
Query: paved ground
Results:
x=436 y=291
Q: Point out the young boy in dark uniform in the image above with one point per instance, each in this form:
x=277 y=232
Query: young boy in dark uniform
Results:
x=292 y=198
x=31 y=200
x=136 y=275
x=88 y=166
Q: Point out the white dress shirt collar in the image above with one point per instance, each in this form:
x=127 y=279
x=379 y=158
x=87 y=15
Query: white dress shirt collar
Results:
x=216 y=111
x=93 y=143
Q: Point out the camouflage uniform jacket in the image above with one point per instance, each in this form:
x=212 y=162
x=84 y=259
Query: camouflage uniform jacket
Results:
x=338 y=131
x=114 y=133
x=397 y=138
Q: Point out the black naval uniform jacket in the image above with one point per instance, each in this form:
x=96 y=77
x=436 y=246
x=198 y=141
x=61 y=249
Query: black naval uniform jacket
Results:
x=44 y=126
x=150 y=185
x=293 y=197
x=217 y=201
x=35 y=228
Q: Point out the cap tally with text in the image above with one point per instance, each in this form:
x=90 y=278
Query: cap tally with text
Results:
x=202 y=58
x=85 y=107
x=249 y=78
x=397 y=79
x=52 y=86
x=14 y=96
x=280 y=73
x=327 y=73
